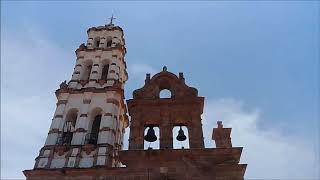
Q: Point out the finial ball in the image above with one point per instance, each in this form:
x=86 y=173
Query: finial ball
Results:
x=164 y=68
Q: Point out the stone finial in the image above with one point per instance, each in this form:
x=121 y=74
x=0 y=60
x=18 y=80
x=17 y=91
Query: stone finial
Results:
x=82 y=47
x=63 y=85
x=221 y=136
x=164 y=68
x=147 y=78
x=181 y=75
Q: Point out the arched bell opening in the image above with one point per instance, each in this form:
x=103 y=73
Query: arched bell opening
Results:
x=180 y=137
x=151 y=137
x=165 y=93
x=94 y=127
x=68 y=127
x=96 y=42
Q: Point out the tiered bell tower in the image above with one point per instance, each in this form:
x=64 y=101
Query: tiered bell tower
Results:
x=88 y=124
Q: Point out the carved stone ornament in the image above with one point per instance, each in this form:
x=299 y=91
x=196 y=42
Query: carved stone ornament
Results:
x=61 y=150
x=82 y=47
x=101 y=81
x=64 y=85
x=88 y=148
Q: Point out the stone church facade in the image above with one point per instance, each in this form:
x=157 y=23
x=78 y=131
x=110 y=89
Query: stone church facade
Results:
x=85 y=138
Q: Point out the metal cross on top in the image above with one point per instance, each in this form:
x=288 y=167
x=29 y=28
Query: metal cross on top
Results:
x=111 y=19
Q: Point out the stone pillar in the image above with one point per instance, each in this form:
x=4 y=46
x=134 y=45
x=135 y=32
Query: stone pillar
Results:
x=77 y=73
x=93 y=79
x=221 y=136
x=102 y=42
x=107 y=126
x=56 y=123
x=136 y=133
x=166 y=140
x=90 y=43
x=82 y=123
x=166 y=127
x=195 y=132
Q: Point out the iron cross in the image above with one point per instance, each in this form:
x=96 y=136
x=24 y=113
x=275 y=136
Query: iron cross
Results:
x=111 y=18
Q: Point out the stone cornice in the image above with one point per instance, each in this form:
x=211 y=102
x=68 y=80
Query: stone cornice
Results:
x=90 y=89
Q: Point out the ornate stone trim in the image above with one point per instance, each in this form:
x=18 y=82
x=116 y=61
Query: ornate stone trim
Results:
x=73 y=80
x=94 y=79
x=108 y=114
x=61 y=150
x=86 y=101
x=80 y=130
x=108 y=129
x=101 y=81
x=79 y=65
x=83 y=82
x=58 y=116
x=84 y=115
x=62 y=102
x=54 y=130
x=80 y=57
x=88 y=148
x=76 y=72
x=113 y=101
x=95 y=90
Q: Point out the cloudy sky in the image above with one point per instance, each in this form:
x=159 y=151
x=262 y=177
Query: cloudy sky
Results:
x=256 y=64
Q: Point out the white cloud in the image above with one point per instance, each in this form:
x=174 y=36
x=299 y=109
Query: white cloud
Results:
x=268 y=153
x=31 y=69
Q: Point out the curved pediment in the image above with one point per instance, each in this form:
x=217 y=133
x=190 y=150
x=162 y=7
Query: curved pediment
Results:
x=165 y=80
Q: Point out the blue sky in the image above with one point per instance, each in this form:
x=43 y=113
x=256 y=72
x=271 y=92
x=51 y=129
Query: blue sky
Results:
x=256 y=63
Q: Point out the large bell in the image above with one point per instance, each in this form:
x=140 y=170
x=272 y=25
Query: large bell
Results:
x=181 y=136
x=151 y=136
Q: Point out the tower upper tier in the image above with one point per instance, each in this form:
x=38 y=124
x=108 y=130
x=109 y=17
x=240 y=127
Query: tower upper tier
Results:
x=100 y=63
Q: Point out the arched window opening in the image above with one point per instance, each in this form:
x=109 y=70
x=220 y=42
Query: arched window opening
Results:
x=151 y=131
x=97 y=42
x=180 y=137
x=68 y=128
x=87 y=70
x=105 y=70
x=165 y=93
x=92 y=138
x=109 y=42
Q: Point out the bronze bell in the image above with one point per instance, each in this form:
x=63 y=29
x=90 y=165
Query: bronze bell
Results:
x=181 y=136
x=151 y=136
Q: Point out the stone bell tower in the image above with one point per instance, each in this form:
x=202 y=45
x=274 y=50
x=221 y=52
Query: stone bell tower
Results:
x=90 y=117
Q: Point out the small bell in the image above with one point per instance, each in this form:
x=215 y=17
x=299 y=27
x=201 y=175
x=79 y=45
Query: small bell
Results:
x=181 y=136
x=151 y=136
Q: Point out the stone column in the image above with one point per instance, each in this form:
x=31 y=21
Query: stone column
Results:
x=108 y=126
x=93 y=79
x=56 y=123
x=102 y=42
x=195 y=132
x=166 y=140
x=166 y=127
x=90 y=43
x=136 y=133
x=81 y=127
x=78 y=71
